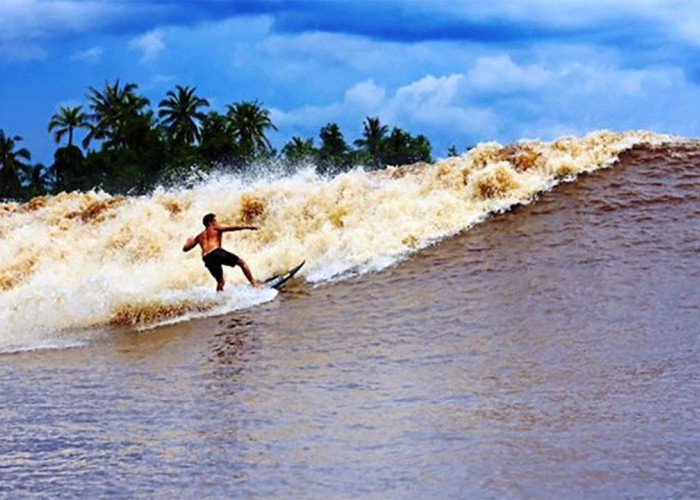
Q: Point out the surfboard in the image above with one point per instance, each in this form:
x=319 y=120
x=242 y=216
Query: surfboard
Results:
x=279 y=279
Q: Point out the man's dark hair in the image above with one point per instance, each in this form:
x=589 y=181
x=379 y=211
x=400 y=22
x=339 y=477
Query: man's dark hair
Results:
x=208 y=219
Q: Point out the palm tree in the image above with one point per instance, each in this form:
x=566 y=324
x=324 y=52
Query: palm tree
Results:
x=401 y=148
x=216 y=145
x=66 y=121
x=298 y=150
x=334 y=153
x=37 y=177
x=332 y=140
x=11 y=165
x=374 y=137
x=112 y=112
x=181 y=116
x=397 y=146
x=247 y=124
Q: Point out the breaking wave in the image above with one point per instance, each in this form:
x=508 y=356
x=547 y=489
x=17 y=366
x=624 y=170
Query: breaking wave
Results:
x=74 y=265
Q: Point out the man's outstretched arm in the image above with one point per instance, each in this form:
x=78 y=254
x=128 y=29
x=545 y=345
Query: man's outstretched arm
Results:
x=225 y=229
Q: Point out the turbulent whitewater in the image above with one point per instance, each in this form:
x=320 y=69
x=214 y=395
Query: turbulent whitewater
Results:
x=75 y=265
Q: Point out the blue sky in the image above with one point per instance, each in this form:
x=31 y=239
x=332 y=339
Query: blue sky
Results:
x=459 y=72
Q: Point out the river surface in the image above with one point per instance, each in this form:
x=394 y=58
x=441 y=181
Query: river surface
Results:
x=551 y=351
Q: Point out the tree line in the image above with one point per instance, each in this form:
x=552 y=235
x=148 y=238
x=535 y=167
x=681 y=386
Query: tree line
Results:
x=128 y=147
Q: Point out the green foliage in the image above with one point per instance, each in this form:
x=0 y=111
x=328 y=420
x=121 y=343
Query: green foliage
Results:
x=70 y=170
x=334 y=154
x=12 y=165
x=401 y=148
x=36 y=180
x=66 y=121
x=247 y=123
x=114 y=113
x=299 y=150
x=136 y=150
x=180 y=115
x=217 y=147
x=375 y=150
x=373 y=142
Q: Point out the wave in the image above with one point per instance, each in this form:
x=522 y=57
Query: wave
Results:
x=75 y=264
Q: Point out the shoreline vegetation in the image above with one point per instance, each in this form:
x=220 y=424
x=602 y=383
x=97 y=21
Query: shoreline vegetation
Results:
x=129 y=147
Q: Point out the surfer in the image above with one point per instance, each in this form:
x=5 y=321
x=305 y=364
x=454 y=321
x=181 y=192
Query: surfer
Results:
x=213 y=255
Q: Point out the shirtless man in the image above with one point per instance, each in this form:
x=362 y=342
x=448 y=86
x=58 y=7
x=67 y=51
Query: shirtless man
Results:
x=213 y=255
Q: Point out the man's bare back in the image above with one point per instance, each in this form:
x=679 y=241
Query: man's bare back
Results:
x=209 y=239
x=213 y=255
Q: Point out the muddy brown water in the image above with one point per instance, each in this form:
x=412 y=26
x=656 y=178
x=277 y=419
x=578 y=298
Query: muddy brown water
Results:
x=551 y=351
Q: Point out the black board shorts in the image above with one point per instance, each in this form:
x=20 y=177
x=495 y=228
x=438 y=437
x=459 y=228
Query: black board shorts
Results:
x=217 y=258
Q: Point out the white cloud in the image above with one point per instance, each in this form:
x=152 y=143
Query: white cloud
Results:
x=28 y=26
x=350 y=51
x=366 y=95
x=33 y=20
x=590 y=79
x=493 y=100
x=689 y=29
x=91 y=55
x=150 y=44
x=565 y=12
x=427 y=105
x=430 y=90
x=501 y=74
x=307 y=117
x=22 y=51
x=360 y=100
x=439 y=103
